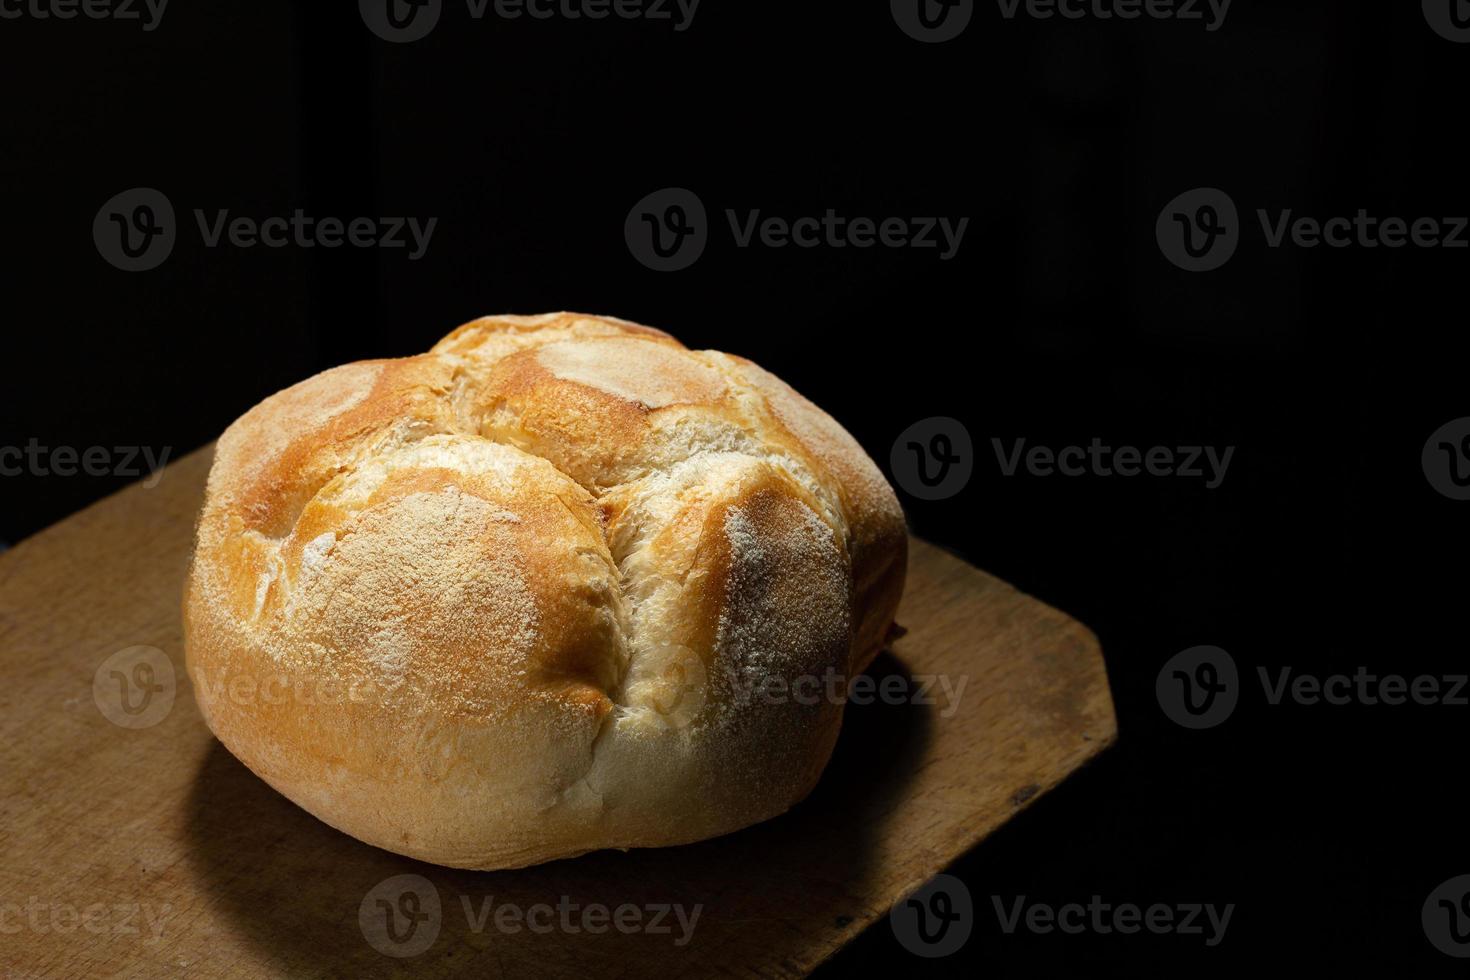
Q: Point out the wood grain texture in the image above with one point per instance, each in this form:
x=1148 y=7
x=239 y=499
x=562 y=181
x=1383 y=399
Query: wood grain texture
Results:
x=152 y=852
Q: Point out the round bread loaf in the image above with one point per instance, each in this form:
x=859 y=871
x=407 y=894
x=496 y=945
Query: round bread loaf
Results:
x=558 y=585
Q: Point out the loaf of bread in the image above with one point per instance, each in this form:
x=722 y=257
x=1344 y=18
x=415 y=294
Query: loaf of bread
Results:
x=560 y=584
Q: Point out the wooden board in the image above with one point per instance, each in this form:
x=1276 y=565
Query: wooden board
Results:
x=152 y=852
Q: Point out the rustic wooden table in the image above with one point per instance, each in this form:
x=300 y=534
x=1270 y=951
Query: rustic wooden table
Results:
x=149 y=851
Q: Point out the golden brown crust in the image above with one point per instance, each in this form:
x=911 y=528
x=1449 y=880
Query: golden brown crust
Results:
x=525 y=596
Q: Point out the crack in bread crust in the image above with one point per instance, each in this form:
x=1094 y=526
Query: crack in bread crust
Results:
x=566 y=537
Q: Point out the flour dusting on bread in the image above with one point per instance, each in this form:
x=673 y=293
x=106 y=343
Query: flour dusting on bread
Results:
x=544 y=570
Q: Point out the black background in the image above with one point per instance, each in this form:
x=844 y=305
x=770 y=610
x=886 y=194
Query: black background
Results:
x=1059 y=320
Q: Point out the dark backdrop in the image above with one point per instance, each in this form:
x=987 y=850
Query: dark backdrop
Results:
x=1059 y=320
